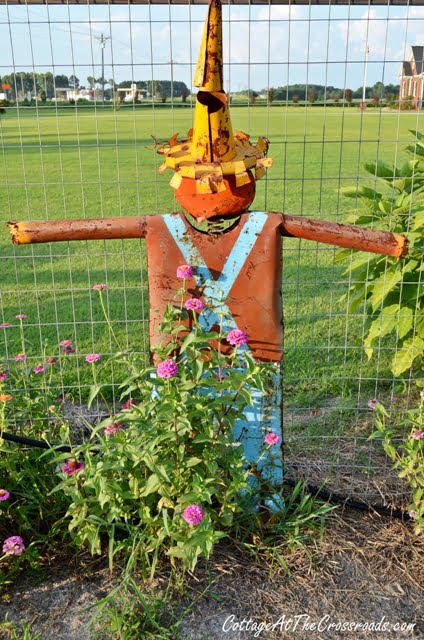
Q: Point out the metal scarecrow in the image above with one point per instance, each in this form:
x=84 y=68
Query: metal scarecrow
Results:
x=235 y=253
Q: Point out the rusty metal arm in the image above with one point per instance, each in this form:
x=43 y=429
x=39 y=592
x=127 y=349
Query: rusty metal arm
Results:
x=65 y=230
x=346 y=236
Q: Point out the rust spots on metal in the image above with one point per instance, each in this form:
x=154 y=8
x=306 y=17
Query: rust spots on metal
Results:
x=84 y=229
x=346 y=236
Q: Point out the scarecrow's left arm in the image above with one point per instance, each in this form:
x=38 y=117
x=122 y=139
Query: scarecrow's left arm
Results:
x=346 y=236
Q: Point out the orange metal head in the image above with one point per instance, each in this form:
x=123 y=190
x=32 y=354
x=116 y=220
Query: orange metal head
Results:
x=214 y=170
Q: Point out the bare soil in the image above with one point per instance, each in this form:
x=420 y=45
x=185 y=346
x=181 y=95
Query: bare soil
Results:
x=367 y=569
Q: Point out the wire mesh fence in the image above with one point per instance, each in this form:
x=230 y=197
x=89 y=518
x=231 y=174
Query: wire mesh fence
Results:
x=89 y=88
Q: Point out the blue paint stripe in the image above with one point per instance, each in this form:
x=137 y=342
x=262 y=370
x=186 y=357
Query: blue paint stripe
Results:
x=232 y=267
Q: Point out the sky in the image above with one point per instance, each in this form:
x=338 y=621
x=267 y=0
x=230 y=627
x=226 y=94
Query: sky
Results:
x=263 y=46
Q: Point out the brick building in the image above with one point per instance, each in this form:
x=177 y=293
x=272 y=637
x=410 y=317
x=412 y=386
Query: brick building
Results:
x=412 y=76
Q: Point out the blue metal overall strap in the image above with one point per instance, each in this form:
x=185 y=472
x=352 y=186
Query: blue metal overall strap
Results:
x=265 y=415
x=214 y=290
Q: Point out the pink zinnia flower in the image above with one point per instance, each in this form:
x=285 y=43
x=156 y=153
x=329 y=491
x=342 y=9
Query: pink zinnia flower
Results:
x=167 y=369
x=417 y=434
x=4 y=494
x=413 y=513
x=65 y=343
x=13 y=546
x=40 y=368
x=3 y=377
x=129 y=404
x=194 y=304
x=185 y=271
x=113 y=428
x=51 y=360
x=21 y=316
x=93 y=357
x=372 y=404
x=5 y=325
x=236 y=337
x=272 y=438
x=193 y=514
x=21 y=357
x=99 y=287
x=72 y=466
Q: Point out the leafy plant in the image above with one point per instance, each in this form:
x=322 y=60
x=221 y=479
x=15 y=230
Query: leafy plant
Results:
x=391 y=290
x=403 y=442
x=164 y=474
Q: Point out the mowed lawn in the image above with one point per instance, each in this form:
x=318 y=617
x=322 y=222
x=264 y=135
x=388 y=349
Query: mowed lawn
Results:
x=90 y=163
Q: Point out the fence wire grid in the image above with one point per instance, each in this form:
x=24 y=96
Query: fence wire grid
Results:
x=87 y=88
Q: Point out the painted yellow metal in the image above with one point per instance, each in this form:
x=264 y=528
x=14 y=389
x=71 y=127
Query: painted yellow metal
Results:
x=211 y=151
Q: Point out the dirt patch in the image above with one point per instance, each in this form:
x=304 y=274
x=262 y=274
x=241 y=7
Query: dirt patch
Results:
x=367 y=569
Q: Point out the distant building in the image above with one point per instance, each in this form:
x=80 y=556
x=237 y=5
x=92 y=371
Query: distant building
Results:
x=131 y=93
x=412 y=76
x=66 y=94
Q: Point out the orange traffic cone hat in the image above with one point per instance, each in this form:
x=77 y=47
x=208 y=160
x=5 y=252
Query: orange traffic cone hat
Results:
x=212 y=160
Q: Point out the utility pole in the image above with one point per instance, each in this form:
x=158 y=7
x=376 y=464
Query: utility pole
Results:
x=364 y=87
x=103 y=39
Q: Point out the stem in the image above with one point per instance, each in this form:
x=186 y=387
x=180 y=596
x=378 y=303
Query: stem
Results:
x=109 y=324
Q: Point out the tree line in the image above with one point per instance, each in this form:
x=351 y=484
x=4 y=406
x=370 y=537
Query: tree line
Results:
x=320 y=93
x=44 y=85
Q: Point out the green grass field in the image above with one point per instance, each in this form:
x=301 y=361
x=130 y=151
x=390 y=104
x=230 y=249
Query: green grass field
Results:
x=89 y=163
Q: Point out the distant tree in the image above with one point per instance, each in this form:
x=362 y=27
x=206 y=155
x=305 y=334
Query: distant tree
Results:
x=348 y=96
x=375 y=100
x=61 y=81
x=295 y=98
x=252 y=95
x=271 y=95
x=378 y=90
x=43 y=96
x=184 y=93
x=336 y=98
x=91 y=82
x=312 y=96
x=74 y=82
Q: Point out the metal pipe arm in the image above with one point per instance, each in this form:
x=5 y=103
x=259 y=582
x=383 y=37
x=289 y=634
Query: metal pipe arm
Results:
x=344 y=235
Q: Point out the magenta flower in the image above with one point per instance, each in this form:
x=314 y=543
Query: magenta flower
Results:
x=236 y=337
x=65 y=343
x=3 y=377
x=5 y=325
x=167 y=369
x=93 y=357
x=21 y=316
x=185 y=271
x=413 y=513
x=67 y=351
x=40 y=368
x=194 y=304
x=21 y=357
x=193 y=514
x=417 y=434
x=113 y=428
x=4 y=494
x=129 y=404
x=272 y=438
x=51 y=360
x=13 y=546
x=72 y=466
x=372 y=404
x=99 y=287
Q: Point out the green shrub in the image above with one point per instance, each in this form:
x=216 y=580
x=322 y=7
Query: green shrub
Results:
x=392 y=290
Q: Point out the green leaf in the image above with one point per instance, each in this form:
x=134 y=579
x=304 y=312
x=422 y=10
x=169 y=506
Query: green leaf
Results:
x=406 y=319
x=193 y=461
x=382 y=286
x=94 y=391
x=188 y=340
x=153 y=484
x=404 y=357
